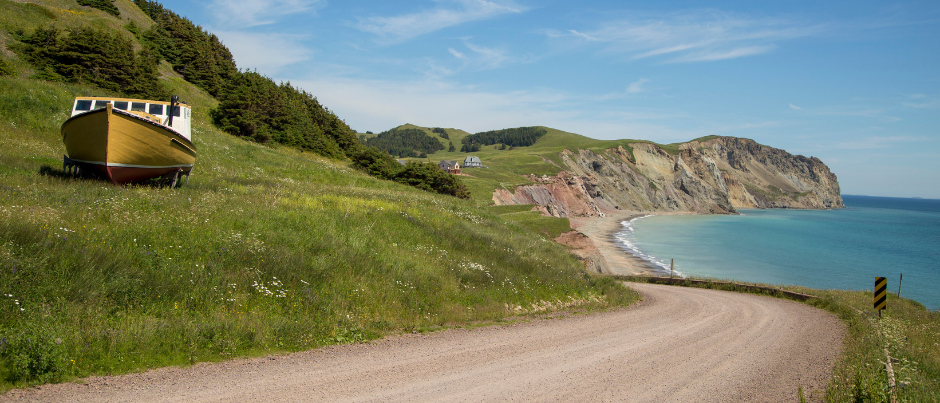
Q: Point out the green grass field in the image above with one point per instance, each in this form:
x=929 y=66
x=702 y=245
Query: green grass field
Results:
x=266 y=249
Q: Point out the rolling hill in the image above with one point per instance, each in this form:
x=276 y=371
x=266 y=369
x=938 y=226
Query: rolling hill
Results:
x=267 y=248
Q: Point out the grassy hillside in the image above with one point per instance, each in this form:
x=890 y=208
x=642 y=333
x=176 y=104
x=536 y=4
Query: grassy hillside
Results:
x=265 y=249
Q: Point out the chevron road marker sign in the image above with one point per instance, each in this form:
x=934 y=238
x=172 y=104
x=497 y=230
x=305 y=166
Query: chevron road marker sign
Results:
x=881 y=293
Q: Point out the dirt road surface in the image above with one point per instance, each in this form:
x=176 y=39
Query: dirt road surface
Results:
x=678 y=345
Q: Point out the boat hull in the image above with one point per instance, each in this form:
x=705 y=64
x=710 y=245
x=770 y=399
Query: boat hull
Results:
x=126 y=148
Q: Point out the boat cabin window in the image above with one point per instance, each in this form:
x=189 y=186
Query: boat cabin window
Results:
x=156 y=109
x=122 y=105
x=138 y=106
x=176 y=111
x=101 y=104
x=83 y=105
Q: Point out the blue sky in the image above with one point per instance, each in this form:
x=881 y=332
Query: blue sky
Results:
x=855 y=83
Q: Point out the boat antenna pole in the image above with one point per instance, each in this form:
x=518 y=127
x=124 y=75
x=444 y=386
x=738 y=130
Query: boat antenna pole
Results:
x=173 y=101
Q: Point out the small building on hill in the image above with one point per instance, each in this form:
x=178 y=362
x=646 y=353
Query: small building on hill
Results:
x=472 y=162
x=451 y=167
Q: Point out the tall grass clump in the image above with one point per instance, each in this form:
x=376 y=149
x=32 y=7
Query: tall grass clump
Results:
x=266 y=249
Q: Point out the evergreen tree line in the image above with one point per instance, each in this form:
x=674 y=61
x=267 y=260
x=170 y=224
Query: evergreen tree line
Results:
x=442 y=132
x=406 y=142
x=253 y=106
x=195 y=54
x=103 y=5
x=516 y=137
x=422 y=175
x=93 y=56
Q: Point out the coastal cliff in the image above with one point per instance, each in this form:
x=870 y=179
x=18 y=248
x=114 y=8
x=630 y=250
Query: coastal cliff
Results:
x=713 y=175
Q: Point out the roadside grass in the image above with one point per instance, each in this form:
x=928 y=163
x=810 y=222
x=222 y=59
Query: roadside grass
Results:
x=511 y=208
x=266 y=249
x=522 y=214
x=551 y=227
x=909 y=332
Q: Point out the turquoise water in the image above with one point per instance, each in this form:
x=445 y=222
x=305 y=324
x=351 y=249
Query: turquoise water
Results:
x=842 y=249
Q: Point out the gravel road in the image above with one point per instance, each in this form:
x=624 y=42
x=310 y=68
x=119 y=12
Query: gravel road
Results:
x=678 y=345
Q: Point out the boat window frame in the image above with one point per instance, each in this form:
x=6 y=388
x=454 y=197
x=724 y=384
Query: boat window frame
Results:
x=138 y=106
x=122 y=105
x=82 y=105
x=175 y=111
x=103 y=102
x=159 y=111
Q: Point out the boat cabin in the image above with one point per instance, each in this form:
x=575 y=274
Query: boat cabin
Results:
x=156 y=111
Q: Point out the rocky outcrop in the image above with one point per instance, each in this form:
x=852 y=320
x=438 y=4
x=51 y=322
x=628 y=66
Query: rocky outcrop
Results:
x=584 y=248
x=716 y=175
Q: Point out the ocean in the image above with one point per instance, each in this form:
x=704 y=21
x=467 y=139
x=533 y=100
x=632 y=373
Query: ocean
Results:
x=827 y=249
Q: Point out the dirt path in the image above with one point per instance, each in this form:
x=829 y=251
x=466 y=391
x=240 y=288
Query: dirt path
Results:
x=678 y=345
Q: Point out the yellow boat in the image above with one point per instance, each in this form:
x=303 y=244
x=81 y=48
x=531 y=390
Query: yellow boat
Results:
x=129 y=140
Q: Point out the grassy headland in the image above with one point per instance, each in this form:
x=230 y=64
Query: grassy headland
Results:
x=266 y=249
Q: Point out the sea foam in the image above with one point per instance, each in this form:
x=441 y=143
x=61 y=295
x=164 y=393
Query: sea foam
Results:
x=627 y=242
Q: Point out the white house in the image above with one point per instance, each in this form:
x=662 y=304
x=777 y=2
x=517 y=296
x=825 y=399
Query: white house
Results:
x=472 y=162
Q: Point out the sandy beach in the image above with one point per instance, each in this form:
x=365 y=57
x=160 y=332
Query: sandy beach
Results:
x=601 y=230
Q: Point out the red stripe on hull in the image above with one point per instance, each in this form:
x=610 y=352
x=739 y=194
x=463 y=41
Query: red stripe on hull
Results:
x=125 y=175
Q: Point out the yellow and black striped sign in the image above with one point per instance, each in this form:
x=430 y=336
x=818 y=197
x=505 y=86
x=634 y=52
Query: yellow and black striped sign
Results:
x=881 y=293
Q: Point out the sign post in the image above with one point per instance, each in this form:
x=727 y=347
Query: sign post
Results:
x=881 y=294
x=899 y=284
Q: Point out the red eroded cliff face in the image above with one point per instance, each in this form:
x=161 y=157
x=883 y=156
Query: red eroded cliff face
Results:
x=711 y=176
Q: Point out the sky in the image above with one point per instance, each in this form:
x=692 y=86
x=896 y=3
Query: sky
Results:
x=854 y=83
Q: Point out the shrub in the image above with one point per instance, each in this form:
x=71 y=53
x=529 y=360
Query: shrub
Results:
x=254 y=106
x=33 y=355
x=103 y=5
x=406 y=142
x=92 y=56
x=517 y=137
x=198 y=56
x=6 y=69
x=376 y=163
x=429 y=177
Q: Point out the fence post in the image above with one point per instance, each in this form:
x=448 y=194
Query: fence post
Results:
x=899 y=285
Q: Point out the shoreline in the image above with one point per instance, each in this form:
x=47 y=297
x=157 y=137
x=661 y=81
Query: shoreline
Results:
x=602 y=232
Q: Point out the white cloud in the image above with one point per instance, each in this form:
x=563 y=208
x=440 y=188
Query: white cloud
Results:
x=583 y=35
x=697 y=36
x=923 y=102
x=879 y=142
x=874 y=113
x=489 y=58
x=456 y=53
x=713 y=55
x=478 y=57
x=406 y=26
x=247 y=13
x=796 y=108
x=266 y=52
x=636 y=86
x=382 y=104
